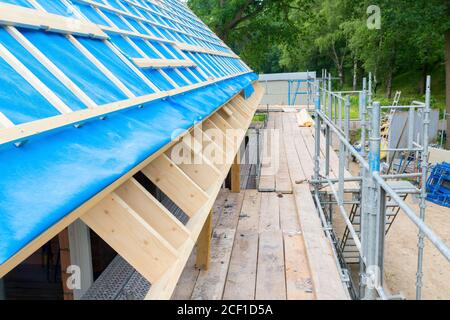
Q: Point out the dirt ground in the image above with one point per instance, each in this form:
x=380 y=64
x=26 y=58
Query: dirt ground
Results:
x=401 y=254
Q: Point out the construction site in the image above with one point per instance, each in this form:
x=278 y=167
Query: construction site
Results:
x=142 y=159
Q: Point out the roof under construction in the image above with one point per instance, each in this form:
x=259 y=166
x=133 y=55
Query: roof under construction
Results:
x=92 y=92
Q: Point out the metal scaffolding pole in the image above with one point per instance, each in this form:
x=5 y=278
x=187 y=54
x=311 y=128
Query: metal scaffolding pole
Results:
x=423 y=194
x=372 y=207
x=317 y=142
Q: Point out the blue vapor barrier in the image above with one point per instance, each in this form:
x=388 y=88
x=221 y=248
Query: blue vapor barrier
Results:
x=12 y=86
x=39 y=71
x=124 y=46
x=158 y=79
x=113 y=63
x=55 y=7
x=116 y=20
x=188 y=75
x=136 y=25
x=75 y=65
x=145 y=48
x=22 y=3
x=90 y=13
x=248 y=91
x=56 y=172
x=175 y=77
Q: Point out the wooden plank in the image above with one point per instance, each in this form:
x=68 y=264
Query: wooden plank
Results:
x=249 y=217
x=128 y=234
x=282 y=179
x=13 y=15
x=439 y=155
x=270 y=280
x=153 y=212
x=188 y=155
x=162 y=63
x=234 y=120
x=219 y=206
x=270 y=156
x=210 y=284
x=241 y=278
x=204 y=245
x=269 y=212
x=176 y=184
x=324 y=270
x=294 y=166
x=298 y=276
x=231 y=210
x=228 y=111
x=288 y=214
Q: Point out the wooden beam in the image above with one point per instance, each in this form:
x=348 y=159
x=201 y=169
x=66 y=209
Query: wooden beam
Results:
x=236 y=174
x=131 y=236
x=167 y=176
x=81 y=255
x=203 y=174
x=12 y=15
x=188 y=47
x=153 y=212
x=65 y=262
x=5 y=122
x=163 y=289
x=204 y=245
x=162 y=63
x=53 y=231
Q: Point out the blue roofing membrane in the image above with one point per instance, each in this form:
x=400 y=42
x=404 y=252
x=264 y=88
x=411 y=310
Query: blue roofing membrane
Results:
x=55 y=172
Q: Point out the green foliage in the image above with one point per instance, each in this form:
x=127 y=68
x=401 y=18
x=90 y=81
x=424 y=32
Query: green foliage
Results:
x=299 y=35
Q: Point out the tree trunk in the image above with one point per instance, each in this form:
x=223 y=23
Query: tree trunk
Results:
x=423 y=80
x=447 y=83
x=389 y=85
x=341 y=76
x=355 y=73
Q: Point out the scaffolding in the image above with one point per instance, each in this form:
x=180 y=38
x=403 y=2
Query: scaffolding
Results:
x=368 y=203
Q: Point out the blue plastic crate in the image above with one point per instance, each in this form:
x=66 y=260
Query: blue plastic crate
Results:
x=438 y=184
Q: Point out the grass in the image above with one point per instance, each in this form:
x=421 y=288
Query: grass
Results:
x=259 y=117
x=408 y=84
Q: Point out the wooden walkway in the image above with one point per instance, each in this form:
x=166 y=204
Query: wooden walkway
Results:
x=269 y=244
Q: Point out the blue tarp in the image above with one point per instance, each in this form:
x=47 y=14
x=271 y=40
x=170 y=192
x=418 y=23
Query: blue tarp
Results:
x=55 y=173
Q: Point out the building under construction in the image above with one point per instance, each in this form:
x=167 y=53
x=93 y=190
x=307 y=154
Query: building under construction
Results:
x=133 y=165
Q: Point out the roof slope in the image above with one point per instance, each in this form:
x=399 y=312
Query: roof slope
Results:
x=88 y=90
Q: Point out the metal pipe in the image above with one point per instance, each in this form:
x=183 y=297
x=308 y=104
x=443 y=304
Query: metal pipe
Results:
x=346 y=219
x=372 y=206
x=317 y=141
x=424 y=168
x=347 y=127
x=363 y=119
x=436 y=240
